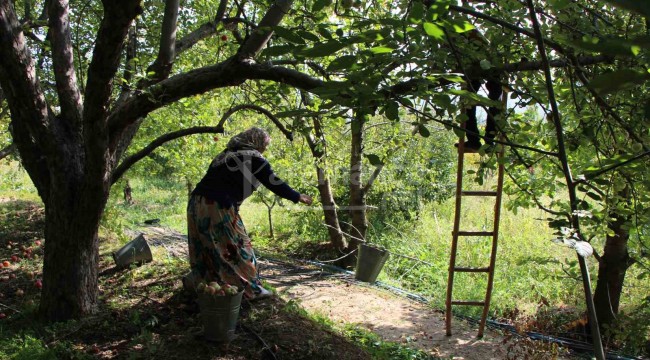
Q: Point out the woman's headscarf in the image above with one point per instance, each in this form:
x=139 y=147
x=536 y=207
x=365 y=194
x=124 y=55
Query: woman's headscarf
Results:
x=248 y=143
x=251 y=139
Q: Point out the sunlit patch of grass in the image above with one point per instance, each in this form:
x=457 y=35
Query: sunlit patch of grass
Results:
x=15 y=183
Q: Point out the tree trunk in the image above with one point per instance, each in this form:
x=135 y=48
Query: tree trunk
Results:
x=324 y=187
x=270 y=210
x=329 y=210
x=611 y=273
x=359 y=223
x=71 y=261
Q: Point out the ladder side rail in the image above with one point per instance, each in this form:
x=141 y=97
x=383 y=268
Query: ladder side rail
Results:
x=454 y=242
x=495 y=240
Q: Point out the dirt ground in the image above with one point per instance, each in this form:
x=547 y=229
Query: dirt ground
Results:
x=393 y=317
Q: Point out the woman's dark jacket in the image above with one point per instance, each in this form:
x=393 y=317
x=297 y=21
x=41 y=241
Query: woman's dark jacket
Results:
x=232 y=181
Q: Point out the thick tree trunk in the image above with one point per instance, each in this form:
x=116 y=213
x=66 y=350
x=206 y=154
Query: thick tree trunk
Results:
x=611 y=273
x=329 y=210
x=359 y=223
x=71 y=261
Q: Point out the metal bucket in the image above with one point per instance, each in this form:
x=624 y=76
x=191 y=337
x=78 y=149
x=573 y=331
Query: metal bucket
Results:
x=370 y=260
x=190 y=280
x=135 y=251
x=219 y=316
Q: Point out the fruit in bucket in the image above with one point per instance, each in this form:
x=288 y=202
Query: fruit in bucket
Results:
x=213 y=288
x=215 y=285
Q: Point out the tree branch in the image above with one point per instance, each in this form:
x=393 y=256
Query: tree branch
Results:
x=63 y=62
x=131 y=160
x=20 y=84
x=113 y=29
x=603 y=104
x=264 y=31
x=571 y=186
x=194 y=82
x=534 y=197
x=260 y=110
x=591 y=176
x=162 y=66
x=372 y=178
x=505 y=24
x=7 y=150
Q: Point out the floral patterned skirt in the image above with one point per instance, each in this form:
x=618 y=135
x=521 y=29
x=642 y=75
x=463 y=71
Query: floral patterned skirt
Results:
x=219 y=247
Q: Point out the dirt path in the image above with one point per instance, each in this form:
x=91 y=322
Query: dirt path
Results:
x=392 y=317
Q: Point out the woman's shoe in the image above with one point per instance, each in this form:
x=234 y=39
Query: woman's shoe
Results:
x=264 y=294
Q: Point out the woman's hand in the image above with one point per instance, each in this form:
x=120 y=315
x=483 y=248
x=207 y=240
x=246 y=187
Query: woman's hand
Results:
x=305 y=199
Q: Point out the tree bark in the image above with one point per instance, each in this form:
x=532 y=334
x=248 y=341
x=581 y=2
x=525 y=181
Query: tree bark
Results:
x=71 y=262
x=359 y=222
x=317 y=147
x=611 y=273
x=270 y=215
x=329 y=210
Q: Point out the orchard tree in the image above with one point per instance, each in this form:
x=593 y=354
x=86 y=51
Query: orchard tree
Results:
x=69 y=77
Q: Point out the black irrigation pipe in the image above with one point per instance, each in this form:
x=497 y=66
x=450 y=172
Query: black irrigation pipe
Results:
x=580 y=348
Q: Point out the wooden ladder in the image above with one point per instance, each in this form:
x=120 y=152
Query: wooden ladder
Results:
x=494 y=234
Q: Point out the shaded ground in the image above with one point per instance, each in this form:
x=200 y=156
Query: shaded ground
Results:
x=145 y=314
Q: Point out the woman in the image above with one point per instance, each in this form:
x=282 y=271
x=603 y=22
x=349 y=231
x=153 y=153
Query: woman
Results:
x=219 y=248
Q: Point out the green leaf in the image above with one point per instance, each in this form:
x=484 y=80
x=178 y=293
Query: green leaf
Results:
x=392 y=110
x=373 y=159
x=560 y=4
x=485 y=64
x=291 y=113
x=434 y=31
x=277 y=50
x=641 y=7
x=619 y=80
x=343 y=62
x=417 y=12
x=612 y=45
x=423 y=130
x=308 y=36
x=594 y=196
x=323 y=49
x=320 y=5
x=381 y=50
x=322 y=29
x=288 y=35
x=462 y=26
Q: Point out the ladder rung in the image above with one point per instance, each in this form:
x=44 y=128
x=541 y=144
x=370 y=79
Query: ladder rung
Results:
x=470 y=303
x=478 y=193
x=467 y=269
x=475 y=233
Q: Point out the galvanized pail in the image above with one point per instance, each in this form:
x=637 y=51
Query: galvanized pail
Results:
x=370 y=260
x=135 y=251
x=219 y=316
